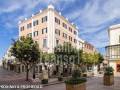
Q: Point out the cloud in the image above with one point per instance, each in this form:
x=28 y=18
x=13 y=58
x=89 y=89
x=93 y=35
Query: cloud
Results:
x=15 y=10
x=26 y=8
x=13 y=5
x=100 y=40
x=96 y=12
x=93 y=17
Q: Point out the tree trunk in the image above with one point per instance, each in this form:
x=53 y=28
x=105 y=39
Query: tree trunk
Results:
x=33 y=71
x=49 y=66
x=63 y=65
x=27 y=72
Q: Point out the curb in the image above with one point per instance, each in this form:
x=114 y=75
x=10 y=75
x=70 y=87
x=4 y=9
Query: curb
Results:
x=44 y=85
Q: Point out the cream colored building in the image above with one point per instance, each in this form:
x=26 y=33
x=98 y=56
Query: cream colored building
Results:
x=49 y=28
x=113 y=50
x=89 y=48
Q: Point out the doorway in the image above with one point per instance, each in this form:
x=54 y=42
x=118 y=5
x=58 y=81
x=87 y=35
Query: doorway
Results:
x=118 y=67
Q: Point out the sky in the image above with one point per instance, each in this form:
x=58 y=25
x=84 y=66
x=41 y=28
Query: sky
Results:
x=93 y=18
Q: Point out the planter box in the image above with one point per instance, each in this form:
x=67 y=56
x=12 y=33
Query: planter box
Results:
x=84 y=75
x=60 y=78
x=108 y=80
x=44 y=81
x=81 y=86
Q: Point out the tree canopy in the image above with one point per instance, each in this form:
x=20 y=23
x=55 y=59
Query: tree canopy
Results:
x=26 y=51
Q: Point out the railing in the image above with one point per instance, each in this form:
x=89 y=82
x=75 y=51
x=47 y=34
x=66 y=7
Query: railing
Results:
x=113 y=52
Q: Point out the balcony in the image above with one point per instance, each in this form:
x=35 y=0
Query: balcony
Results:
x=113 y=52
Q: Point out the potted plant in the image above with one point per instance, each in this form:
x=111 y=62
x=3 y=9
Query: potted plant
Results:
x=84 y=74
x=60 y=78
x=76 y=82
x=44 y=77
x=108 y=76
x=44 y=81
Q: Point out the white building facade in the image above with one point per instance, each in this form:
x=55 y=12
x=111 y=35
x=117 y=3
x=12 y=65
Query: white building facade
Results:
x=113 y=50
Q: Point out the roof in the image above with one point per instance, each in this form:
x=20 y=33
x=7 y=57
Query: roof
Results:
x=49 y=7
x=114 y=26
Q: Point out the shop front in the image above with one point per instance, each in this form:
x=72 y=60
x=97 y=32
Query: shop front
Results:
x=113 y=56
x=118 y=66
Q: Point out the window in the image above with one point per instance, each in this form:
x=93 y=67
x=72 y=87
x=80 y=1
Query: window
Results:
x=70 y=38
x=119 y=39
x=35 y=33
x=44 y=30
x=64 y=25
x=22 y=28
x=36 y=41
x=35 y=22
x=57 y=32
x=29 y=25
x=65 y=35
x=75 y=41
x=44 y=19
x=40 y=69
x=57 y=42
x=44 y=43
x=29 y=35
x=57 y=20
x=75 y=32
x=70 y=29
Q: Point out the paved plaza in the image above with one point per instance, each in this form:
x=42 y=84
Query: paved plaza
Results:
x=93 y=83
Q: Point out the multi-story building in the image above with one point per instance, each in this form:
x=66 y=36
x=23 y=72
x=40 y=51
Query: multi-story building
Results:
x=80 y=43
x=113 y=50
x=49 y=28
x=89 y=48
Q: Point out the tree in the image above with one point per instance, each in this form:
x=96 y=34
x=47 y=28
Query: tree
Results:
x=85 y=58
x=95 y=58
x=90 y=58
x=100 y=58
x=26 y=51
x=66 y=51
x=50 y=59
x=80 y=56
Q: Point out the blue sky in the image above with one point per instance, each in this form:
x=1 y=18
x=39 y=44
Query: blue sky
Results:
x=93 y=17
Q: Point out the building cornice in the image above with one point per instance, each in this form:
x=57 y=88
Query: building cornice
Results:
x=50 y=7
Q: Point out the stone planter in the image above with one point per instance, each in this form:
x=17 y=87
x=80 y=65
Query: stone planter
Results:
x=108 y=80
x=60 y=78
x=81 y=86
x=44 y=77
x=84 y=74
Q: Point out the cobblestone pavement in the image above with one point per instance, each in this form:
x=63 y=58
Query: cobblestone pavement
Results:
x=93 y=83
x=96 y=83
x=9 y=75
